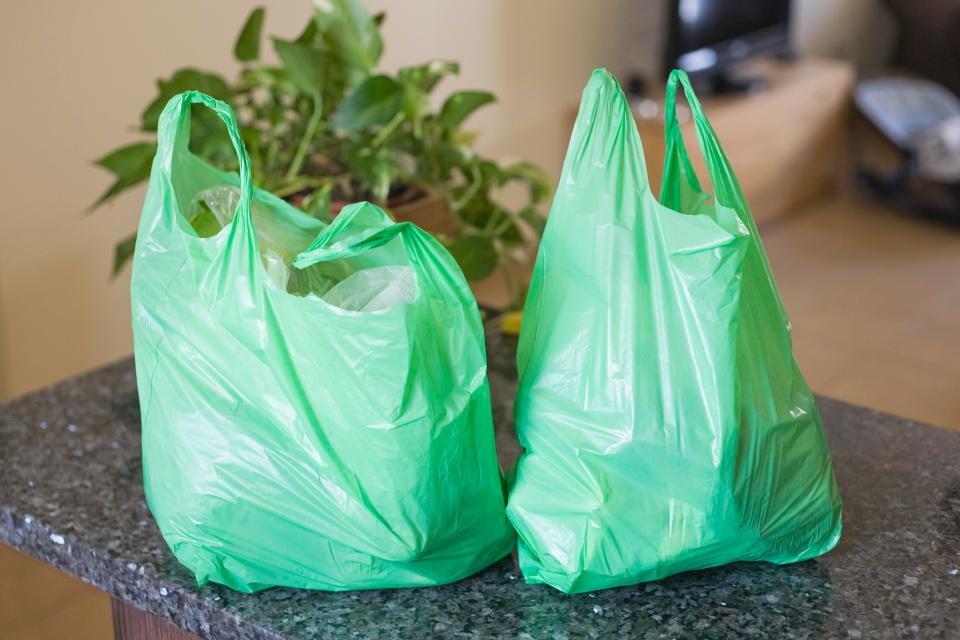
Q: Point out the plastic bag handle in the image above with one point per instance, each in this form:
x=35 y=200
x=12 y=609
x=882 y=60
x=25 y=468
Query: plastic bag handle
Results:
x=725 y=184
x=433 y=265
x=314 y=255
x=329 y=245
x=173 y=138
x=726 y=187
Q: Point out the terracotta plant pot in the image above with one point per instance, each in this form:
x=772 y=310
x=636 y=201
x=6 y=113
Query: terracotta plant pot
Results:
x=429 y=212
x=423 y=207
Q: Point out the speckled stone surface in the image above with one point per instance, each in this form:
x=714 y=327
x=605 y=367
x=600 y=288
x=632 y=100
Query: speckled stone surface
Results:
x=71 y=495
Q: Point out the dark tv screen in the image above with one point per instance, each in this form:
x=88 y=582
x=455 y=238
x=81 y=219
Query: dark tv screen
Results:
x=704 y=23
x=706 y=35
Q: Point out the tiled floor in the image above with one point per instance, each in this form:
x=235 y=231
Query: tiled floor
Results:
x=874 y=298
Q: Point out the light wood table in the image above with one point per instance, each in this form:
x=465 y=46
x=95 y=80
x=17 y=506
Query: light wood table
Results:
x=785 y=141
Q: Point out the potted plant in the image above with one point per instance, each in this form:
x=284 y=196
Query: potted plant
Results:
x=325 y=127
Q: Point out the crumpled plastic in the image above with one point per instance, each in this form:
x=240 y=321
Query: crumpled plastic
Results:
x=373 y=289
x=288 y=441
x=222 y=201
x=366 y=290
x=666 y=426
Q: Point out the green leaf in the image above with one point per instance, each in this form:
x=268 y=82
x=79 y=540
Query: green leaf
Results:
x=183 y=80
x=476 y=256
x=492 y=173
x=123 y=252
x=309 y=33
x=205 y=223
x=306 y=66
x=415 y=107
x=478 y=210
x=128 y=159
x=511 y=235
x=119 y=186
x=374 y=102
x=247 y=47
x=317 y=204
x=534 y=219
x=418 y=81
x=130 y=164
x=461 y=104
x=533 y=175
x=375 y=169
x=353 y=36
x=426 y=76
x=209 y=139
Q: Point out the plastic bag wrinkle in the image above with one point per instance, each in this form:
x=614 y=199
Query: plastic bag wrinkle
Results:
x=265 y=463
x=658 y=398
x=345 y=286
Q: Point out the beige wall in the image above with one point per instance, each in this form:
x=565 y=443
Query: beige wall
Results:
x=77 y=74
x=862 y=31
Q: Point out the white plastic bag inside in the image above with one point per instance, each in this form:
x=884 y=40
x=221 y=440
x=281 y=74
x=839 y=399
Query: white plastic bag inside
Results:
x=222 y=202
x=371 y=289
x=374 y=289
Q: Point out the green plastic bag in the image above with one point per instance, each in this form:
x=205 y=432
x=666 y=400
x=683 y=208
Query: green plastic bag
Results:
x=666 y=426
x=288 y=441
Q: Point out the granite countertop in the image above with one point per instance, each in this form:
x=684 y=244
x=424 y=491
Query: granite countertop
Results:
x=71 y=495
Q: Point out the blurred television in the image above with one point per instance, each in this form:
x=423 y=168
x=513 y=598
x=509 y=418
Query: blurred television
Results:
x=708 y=38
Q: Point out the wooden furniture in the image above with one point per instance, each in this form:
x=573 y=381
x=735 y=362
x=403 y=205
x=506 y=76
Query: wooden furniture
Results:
x=130 y=623
x=785 y=141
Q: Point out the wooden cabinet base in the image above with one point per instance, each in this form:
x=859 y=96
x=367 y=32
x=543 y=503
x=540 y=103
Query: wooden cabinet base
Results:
x=785 y=142
x=130 y=623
